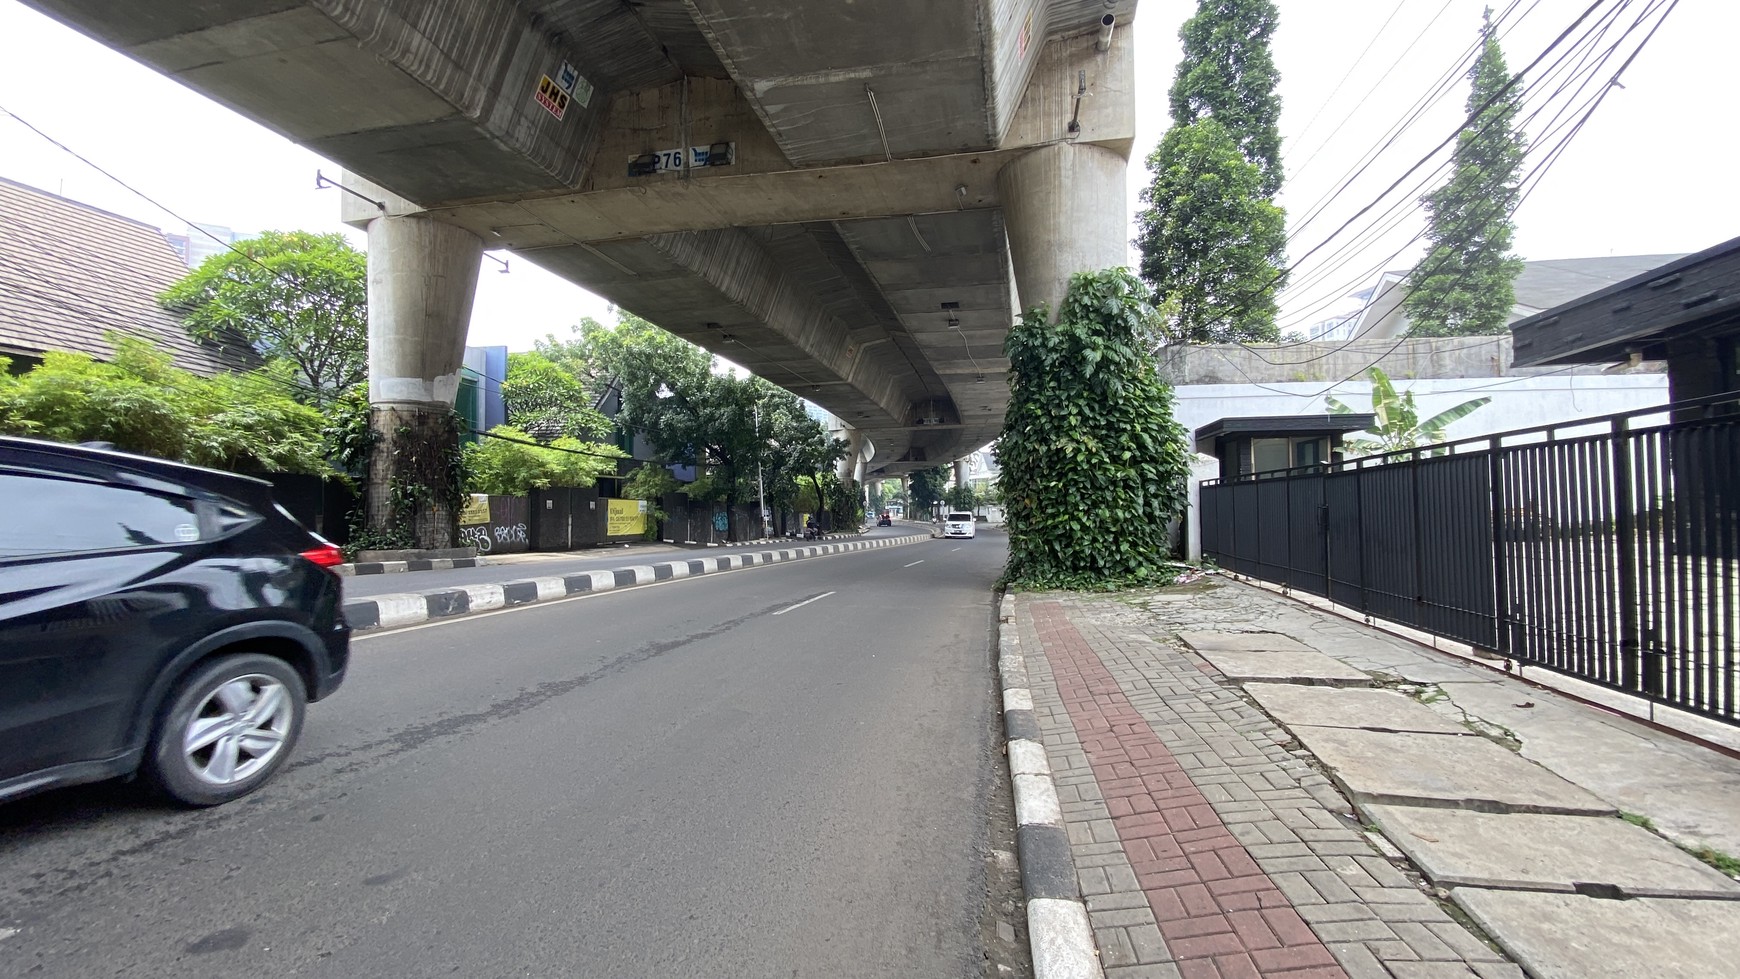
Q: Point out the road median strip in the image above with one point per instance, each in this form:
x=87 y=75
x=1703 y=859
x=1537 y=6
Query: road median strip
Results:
x=412 y=608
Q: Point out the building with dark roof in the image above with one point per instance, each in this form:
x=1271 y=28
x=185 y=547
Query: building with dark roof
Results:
x=70 y=274
x=1686 y=312
x=1541 y=285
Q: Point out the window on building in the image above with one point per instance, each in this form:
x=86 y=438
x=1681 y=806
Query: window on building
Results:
x=1267 y=454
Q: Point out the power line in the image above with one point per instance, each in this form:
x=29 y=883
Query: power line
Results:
x=1546 y=163
x=1590 y=38
x=1357 y=60
x=1472 y=118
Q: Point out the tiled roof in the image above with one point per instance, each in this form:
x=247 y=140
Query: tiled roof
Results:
x=1552 y=282
x=70 y=273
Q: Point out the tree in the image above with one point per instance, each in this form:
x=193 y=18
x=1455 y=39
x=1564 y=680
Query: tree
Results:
x=1227 y=74
x=1094 y=467
x=1212 y=238
x=1208 y=238
x=549 y=401
x=926 y=487
x=511 y=464
x=592 y=355
x=1465 y=286
x=673 y=398
x=294 y=295
x=962 y=498
x=1398 y=425
x=143 y=404
x=796 y=448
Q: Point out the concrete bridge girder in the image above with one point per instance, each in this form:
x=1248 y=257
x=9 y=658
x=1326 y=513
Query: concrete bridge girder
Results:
x=888 y=158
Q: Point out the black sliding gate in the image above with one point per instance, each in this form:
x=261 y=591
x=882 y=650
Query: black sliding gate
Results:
x=1607 y=549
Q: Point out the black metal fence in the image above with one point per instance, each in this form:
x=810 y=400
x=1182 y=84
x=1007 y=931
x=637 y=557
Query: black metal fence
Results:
x=1606 y=549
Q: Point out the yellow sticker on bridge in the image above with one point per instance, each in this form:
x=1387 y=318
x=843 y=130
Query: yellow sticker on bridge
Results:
x=551 y=97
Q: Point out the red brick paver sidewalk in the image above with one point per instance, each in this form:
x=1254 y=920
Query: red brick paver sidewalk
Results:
x=1220 y=914
x=1205 y=847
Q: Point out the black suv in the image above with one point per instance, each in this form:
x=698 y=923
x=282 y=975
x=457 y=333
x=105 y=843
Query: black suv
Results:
x=155 y=618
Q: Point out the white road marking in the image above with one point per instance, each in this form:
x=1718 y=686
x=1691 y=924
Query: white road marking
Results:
x=953 y=549
x=917 y=562
x=801 y=604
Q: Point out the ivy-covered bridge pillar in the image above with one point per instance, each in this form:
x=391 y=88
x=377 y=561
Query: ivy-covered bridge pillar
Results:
x=422 y=280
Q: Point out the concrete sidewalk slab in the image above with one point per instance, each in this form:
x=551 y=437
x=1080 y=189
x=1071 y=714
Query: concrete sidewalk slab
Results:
x=1563 y=936
x=1377 y=710
x=1688 y=791
x=1284 y=666
x=1380 y=768
x=1274 y=642
x=1456 y=847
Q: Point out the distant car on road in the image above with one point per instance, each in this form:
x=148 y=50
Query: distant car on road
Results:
x=885 y=521
x=155 y=618
x=959 y=525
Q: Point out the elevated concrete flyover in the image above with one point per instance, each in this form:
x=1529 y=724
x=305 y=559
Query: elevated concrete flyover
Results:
x=851 y=200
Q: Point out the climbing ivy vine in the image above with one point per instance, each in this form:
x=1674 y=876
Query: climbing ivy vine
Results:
x=1094 y=466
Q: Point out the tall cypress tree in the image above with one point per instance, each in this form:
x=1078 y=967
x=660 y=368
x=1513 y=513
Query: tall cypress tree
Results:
x=1465 y=286
x=1213 y=241
x=1229 y=75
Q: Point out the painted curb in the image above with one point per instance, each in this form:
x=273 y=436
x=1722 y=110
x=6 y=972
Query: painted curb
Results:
x=1058 y=928
x=394 y=567
x=392 y=611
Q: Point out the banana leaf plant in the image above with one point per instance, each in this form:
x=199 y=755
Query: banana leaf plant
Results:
x=1398 y=425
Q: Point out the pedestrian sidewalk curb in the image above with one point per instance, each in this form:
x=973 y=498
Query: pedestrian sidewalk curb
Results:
x=426 y=564
x=391 y=611
x=1057 y=919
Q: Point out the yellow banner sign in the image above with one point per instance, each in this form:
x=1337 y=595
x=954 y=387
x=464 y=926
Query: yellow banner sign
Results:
x=624 y=518
x=476 y=511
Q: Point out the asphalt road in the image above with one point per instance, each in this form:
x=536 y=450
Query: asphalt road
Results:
x=689 y=779
x=370 y=585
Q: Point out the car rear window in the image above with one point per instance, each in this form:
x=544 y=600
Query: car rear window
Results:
x=961 y=517
x=45 y=515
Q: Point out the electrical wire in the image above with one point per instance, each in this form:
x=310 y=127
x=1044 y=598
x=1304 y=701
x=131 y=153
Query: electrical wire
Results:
x=1552 y=156
x=1589 y=39
x=1358 y=59
x=1440 y=89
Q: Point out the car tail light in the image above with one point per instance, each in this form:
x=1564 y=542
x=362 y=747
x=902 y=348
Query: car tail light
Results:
x=325 y=555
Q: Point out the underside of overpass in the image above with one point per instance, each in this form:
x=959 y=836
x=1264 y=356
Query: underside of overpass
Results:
x=885 y=183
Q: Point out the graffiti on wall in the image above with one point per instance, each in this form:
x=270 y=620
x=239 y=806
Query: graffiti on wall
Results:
x=476 y=536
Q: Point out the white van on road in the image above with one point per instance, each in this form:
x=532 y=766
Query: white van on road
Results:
x=959 y=525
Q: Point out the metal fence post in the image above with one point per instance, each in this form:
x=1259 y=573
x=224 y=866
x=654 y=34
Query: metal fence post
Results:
x=1500 y=552
x=1630 y=635
x=1419 y=548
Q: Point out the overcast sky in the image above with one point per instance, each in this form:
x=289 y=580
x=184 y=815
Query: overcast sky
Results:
x=1650 y=173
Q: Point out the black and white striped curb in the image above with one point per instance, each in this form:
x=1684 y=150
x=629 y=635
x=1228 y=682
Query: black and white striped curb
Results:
x=1058 y=928
x=425 y=564
x=390 y=611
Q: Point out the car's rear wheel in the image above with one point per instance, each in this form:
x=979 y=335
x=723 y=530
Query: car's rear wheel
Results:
x=229 y=726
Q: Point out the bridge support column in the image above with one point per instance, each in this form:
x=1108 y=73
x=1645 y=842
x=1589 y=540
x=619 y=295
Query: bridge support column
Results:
x=960 y=472
x=1063 y=207
x=422 y=280
x=848 y=468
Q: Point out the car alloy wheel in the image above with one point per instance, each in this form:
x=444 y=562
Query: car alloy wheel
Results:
x=237 y=730
x=229 y=726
